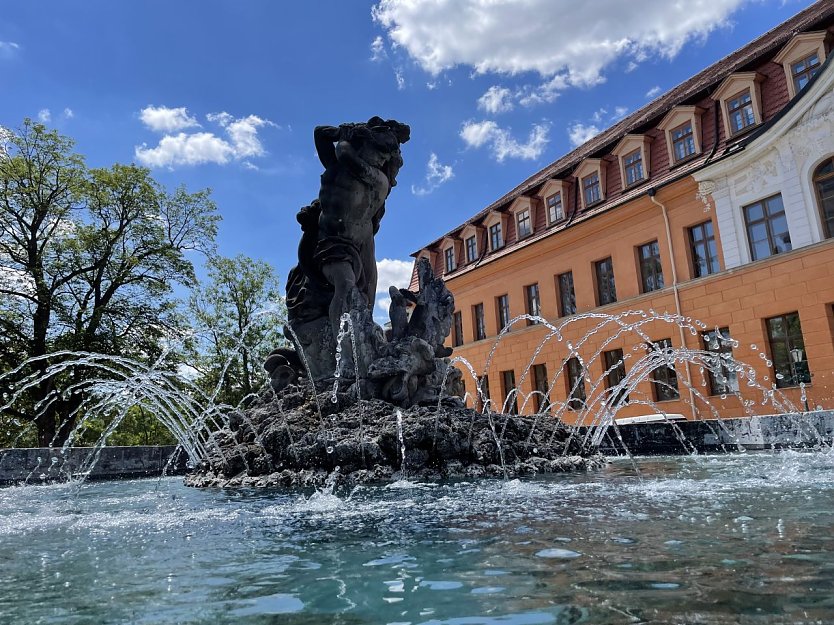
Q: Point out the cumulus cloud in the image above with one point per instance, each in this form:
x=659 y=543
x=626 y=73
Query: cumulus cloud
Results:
x=567 y=44
x=579 y=133
x=196 y=148
x=496 y=100
x=501 y=142
x=378 y=49
x=654 y=92
x=390 y=272
x=436 y=175
x=68 y=113
x=44 y=116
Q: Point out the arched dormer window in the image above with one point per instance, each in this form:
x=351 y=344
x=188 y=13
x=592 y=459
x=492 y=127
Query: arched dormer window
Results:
x=824 y=185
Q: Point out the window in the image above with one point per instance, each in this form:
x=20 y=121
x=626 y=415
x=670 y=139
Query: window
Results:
x=633 y=167
x=567 y=296
x=525 y=228
x=767 y=228
x=502 y=305
x=615 y=373
x=722 y=379
x=471 y=249
x=683 y=142
x=531 y=293
x=824 y=183
x=478 y=325
x=606 y=290
x=740 y=112
x=540 y=384
x=804 y=70
x=507 y=387
x=591 y=190
x=704 y=250
x=787 y=350
x=457 y=335
x=449 y=255
x=651 y=271
x=483 y=396
x=664 y=378
x=495 y=239
x=576 y=384
x=555 y=211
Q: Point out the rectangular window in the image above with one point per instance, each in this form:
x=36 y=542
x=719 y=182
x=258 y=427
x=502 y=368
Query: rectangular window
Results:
x=576 y=384
x=471 y=249
x=651 y=271
x=478 y=322
x=540 y=384
x=555 y=212
x=704 y=250
x=502 y=305
x=633 y=167
x=664 y=379
x=507 y=388
x=483 y=397
x=787 y=350
x=534 y=309
x=740 y=112
x=495 y=239
x=457 y=335
x=449 y=255
x=722 y=379
x=606 y=289
x=683 y=142
x=567 y=296
x=525 y=228
x=591 y=190
x=803 y=71
x=767 y=228
x=615 y=373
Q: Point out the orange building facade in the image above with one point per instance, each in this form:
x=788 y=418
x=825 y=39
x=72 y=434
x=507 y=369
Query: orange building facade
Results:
x=703 y=221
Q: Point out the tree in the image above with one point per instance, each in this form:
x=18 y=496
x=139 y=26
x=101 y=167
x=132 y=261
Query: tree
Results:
x=238 y=314
x=87 y=261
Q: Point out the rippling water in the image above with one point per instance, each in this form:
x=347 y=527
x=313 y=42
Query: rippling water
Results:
x=730 y=539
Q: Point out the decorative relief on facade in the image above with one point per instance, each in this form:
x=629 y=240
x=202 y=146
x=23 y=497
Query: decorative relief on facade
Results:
x=705 y=189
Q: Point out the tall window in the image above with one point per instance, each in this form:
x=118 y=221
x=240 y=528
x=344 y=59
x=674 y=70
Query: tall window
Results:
x=540 y=384
x=704 y=250
x=478 y=322
x=767 y=228
x=576 y=384
x=483 y=396
x=824 y=182
x=502 y=305
x=651 y=271
x=633 y=167
x=606 y=290
x=664 y=379
x=507 y=387
x=740 y=112
x=555 y=211
x=787 y=349
x=591 y=190
x=495 y=239
x=803 y=71
x=722 y=379
x=471 y=249
x=567 y=296
x=615 y=373
x=525 y=228
x=449 y=254
x=457 y=335
x=531 y=296
x=683 y=142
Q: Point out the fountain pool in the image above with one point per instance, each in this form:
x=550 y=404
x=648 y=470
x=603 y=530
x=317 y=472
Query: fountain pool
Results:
x=739 y=538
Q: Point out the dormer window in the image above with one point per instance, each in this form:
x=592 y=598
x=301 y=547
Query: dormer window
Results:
x=449 y=257
x=633 y=166
x=555 y=210
x=683 y=142
x=802 y=58
x=682 y=126
x=633 y=154
x=524 y=227
x=471 y=249
x=496 y=226
x=591 y=176
x=496 y=240
x=554 y=195
x=590 y=189
x=740 y=97
x=740 y=112
x=804 y=70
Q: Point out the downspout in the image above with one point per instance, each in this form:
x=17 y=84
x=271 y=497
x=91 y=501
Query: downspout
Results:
x=652 y=193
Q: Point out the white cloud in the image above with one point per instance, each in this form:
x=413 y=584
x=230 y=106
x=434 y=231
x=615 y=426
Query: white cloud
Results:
x=378 y=49
x=390 y=272
x=619 y=112
x=654 y=92
x=8 y=49
x=579 y=133
x=496 y=100
x=68 y=113
x=502 y=144
x=167 y=120
x=436 y=175
x=567 y=44
x=400 y=78
x=44 y=116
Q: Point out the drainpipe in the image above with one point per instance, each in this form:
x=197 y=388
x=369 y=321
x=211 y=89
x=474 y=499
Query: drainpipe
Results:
x=652 y=193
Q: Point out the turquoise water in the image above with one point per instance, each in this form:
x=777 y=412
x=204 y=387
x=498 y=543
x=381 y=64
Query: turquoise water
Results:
x=721 y=539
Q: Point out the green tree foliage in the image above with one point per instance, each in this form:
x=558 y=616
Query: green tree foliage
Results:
x=237 y=315
x=88 y=258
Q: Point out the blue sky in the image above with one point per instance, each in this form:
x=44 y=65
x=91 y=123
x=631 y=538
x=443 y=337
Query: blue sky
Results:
x=225 y=94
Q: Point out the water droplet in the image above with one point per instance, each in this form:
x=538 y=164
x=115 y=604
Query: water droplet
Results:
x=330 y=449
x=753 y=346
